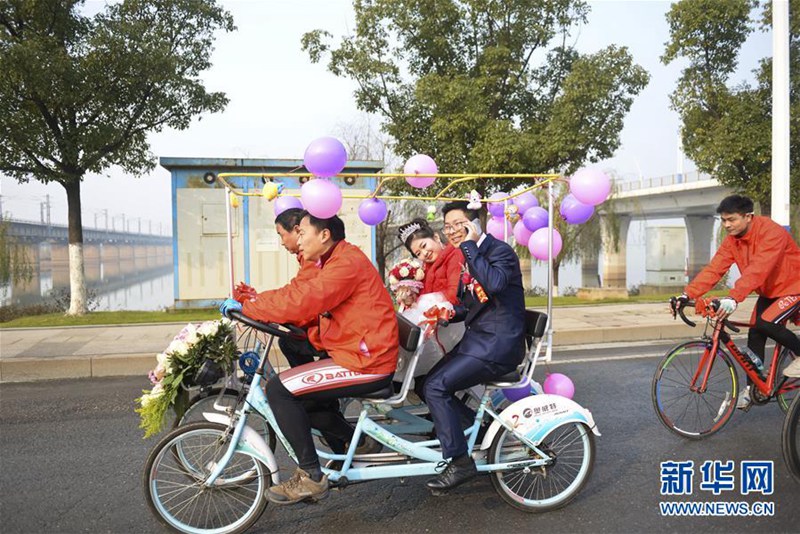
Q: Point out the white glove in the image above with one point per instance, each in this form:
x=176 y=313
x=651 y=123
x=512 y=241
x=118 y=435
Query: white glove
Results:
x=727 y=305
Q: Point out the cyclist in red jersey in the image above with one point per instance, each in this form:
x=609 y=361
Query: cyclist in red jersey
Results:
x=769 y=262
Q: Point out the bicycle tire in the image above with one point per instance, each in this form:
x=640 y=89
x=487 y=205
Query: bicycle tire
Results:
x=790 y=438
x=198 y=405
x=541 y=489
x=674 y=402
x=179 y=500
x=785 y=357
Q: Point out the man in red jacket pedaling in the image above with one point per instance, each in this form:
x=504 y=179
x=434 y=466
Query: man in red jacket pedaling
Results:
x=352 y=321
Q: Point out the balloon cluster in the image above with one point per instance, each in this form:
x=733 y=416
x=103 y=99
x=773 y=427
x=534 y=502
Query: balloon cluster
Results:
x=588 y=188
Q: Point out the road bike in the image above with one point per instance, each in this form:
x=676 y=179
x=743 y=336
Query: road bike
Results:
x=213 y=476
x=695 y=387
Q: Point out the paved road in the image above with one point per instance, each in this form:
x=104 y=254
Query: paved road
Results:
x=72 y=458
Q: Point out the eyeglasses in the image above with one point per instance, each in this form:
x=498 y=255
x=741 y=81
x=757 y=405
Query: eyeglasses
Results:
x=450 y=228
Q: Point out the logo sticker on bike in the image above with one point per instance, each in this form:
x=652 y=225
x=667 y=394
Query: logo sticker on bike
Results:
x=316 y=378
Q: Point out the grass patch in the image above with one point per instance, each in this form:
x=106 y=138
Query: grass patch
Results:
x=115 y=317
x=541 y=302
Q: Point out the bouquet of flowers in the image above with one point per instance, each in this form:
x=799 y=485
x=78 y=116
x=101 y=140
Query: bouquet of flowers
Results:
x=405 y=279
x=194 y=352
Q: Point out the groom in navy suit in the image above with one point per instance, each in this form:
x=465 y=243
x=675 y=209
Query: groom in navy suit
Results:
x=493 y=310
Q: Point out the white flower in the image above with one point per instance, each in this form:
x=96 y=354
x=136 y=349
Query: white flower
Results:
x=163 y=359
x=208 y=328
x=157 y=391
x=178 y=347
x=393 y=280
x=192 y=337
x=403 y=271
x=420 y=274
x=146 y=399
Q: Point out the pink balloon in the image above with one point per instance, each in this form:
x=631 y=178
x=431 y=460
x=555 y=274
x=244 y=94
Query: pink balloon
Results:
x=325 y=157
x=522 y=234
x=497 y=209
x=525 y=201
x=495 y=226
x=420 y=164
x=574 y=211
x=558 y=384
x=321 y=197
x=284 y=203
x=537 y=244
x=590 y=186
x=372 y=211
x=535 y=218
x=519 y=392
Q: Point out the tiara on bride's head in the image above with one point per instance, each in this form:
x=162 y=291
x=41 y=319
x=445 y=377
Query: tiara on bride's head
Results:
x=408 y=230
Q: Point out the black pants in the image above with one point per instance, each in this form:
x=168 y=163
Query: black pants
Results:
x=308 y=396
x=757 y=337
x=299 y=351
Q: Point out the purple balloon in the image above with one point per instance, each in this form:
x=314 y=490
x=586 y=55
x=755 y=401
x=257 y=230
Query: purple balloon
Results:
x=372 y=211
x=284 y=203
x=497 y=209
x=321 y=197
x=558 y=384
x=535 y=218
x=520 y=392
x=420 y=164
x=521 y=234
x=325 y=157
x=537 y=244
x=525 y=201
x=496 y=227
x=574 y=211
x=590 y=186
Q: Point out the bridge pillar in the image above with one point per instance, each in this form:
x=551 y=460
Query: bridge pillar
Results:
x=700 y=229
x=614 y=261
x=589 y=270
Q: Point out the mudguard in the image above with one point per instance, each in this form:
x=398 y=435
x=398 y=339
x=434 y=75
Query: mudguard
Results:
x=251 y=443
x=537 y=415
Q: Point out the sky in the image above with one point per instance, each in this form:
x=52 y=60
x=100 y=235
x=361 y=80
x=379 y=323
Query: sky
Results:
x=280 y=102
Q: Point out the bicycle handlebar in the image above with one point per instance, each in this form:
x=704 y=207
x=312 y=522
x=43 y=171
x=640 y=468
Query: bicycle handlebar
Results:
x=678 y=305
x=275 y=329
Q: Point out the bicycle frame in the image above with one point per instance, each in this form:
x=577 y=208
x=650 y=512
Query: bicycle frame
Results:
x=768 y=386
x=551 y=411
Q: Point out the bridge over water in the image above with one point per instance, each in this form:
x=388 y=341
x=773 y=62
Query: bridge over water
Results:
x=693 y=197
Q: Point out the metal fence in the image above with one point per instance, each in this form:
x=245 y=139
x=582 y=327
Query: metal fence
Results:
x=661 y=181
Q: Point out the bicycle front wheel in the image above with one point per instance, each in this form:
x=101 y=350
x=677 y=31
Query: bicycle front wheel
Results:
x=224 y=402
x=175 y=491
x=790 y=438
x=570 y=447
x=693 y=414
x=785 y=399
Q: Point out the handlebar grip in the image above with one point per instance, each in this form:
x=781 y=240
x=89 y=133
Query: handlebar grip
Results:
x=731 y=326
x=678 y=305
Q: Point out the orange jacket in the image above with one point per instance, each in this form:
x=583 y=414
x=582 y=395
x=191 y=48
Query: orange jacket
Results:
x=444 y=274
x=767 y=257
x=358 y=312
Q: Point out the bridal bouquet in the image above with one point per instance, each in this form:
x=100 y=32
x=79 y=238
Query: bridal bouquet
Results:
x=405 y=280
x=198 y=355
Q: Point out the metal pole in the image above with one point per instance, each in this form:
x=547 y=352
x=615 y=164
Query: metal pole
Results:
x=229 y=220
x=780 y=112
x=549 y=352
x=505 y=221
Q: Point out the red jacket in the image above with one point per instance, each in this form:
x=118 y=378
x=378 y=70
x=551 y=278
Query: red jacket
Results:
x=358 y=312
x=767 y=257
x=444 y=274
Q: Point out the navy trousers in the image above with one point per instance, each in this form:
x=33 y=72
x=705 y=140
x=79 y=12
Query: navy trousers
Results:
x=450 y=375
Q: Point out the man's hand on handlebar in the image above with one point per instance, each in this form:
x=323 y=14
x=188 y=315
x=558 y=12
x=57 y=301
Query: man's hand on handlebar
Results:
x=677 y=303
x=230 y=305
x=724 y=307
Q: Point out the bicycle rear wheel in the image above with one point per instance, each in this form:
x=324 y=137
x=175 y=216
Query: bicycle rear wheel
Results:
x=790 y=438
x=688 y=413
x=785 y=357
x=177 y=496
x=540 y=489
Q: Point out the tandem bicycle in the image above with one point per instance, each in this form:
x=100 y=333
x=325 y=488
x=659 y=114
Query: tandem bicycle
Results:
x=213 y=476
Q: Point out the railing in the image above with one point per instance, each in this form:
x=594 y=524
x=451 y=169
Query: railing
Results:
x=661 y=181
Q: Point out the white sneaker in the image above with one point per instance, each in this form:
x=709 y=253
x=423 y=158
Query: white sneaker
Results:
x=744 y=401
x=793 y=369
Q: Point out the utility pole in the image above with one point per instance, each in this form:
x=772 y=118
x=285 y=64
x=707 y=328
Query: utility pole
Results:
x=105 y=213
x=48 y=209
x=780 y=112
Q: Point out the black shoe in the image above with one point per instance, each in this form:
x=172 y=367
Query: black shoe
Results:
x=458 y=471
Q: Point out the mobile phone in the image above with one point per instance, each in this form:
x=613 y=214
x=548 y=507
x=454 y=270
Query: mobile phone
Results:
x=477 y=224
